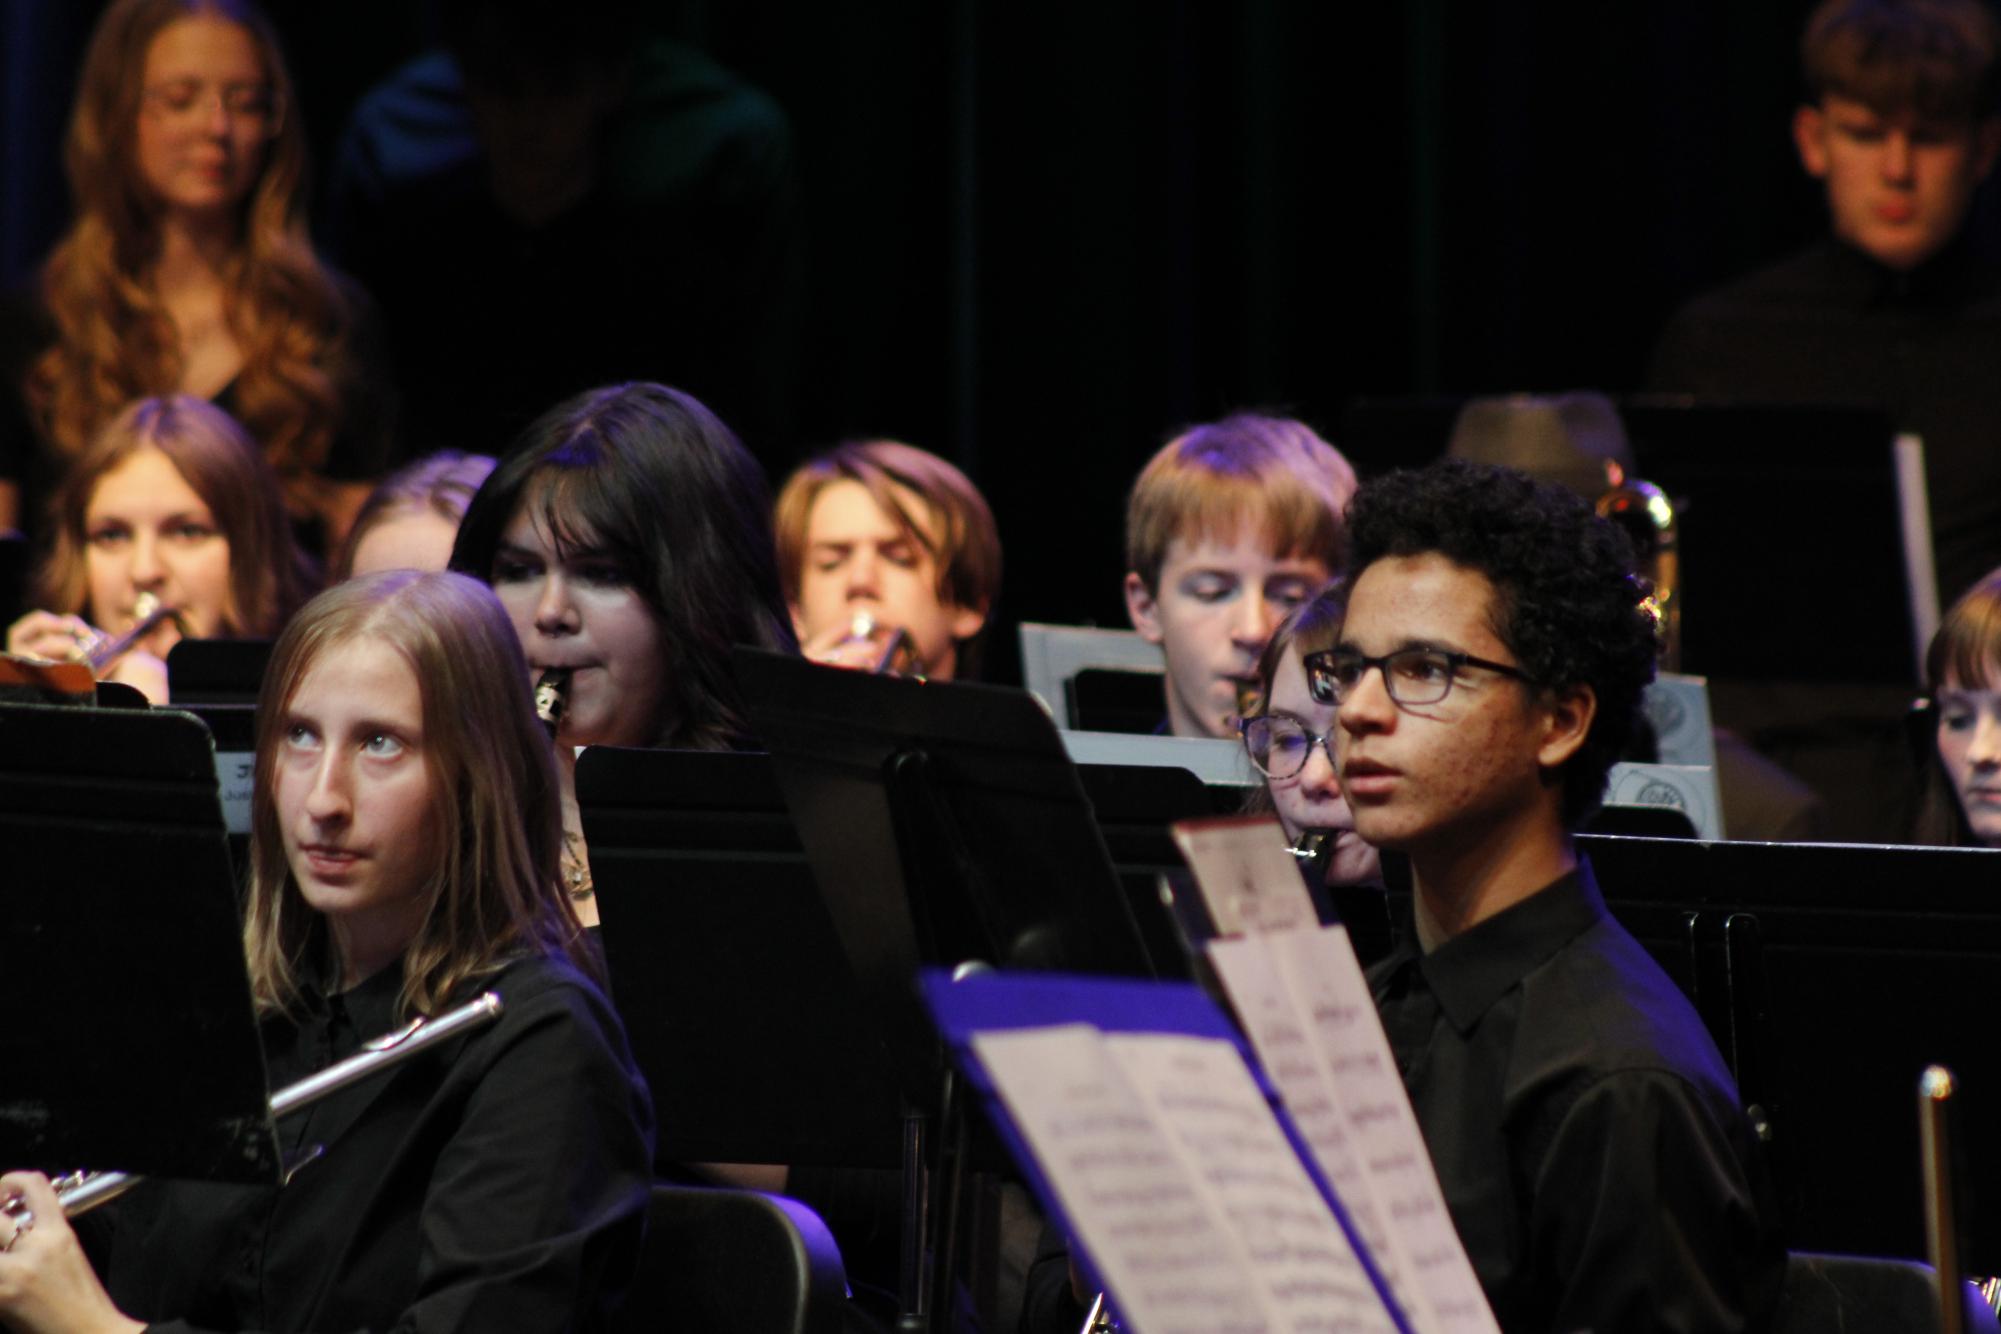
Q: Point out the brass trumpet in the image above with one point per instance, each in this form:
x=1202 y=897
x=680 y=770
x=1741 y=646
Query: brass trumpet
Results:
x=80 y=1192
x=1648 y=517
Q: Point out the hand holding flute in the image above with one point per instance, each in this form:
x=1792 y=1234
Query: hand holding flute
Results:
x=134 y=657
x=46 y=1282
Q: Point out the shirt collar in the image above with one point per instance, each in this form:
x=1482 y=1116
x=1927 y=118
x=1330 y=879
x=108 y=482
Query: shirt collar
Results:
x=367 y=1009
x=1948 y=279
x=1471 y=971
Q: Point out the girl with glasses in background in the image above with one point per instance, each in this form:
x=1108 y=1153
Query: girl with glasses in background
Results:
x=1290 y=738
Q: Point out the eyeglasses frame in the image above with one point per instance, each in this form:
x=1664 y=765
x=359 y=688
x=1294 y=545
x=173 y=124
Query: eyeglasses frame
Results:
x=1318 y=667
x=1324 y=740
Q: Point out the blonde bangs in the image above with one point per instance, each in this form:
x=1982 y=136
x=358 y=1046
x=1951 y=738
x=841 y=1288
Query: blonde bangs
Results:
x=1286 y=513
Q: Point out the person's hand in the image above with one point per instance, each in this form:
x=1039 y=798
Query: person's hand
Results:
x=142 y=671
x=46 y=1284
x=53 y=638
x=842 y=646
x=1080 y=1287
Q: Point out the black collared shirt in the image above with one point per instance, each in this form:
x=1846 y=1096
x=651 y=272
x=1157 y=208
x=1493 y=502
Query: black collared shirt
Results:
x=1587 y=1135
x=498 y=1182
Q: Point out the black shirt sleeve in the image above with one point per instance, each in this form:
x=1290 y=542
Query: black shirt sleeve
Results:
x=508 y=1194
x=1047 y=1304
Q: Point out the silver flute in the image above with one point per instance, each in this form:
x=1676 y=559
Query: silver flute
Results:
x=80 y=1192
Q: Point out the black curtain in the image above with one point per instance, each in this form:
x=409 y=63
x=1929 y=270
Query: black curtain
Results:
x=1041 y=236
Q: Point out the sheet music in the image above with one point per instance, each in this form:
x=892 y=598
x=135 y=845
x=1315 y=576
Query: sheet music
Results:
x=1280 y=1033
x=1223 y=1128
x=1300 y=994
x=1153 y=1234
x=1318 y=967
x=1248 y=878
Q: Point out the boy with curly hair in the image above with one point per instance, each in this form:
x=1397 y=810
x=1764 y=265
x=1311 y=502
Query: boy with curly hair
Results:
x=1589 y=1139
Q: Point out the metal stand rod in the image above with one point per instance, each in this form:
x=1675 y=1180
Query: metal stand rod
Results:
x=1935 y=1092
x=913 y=1276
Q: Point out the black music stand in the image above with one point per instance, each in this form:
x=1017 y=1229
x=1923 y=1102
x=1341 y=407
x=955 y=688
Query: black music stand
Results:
x=726 y=962
x=139 y=1052
x=738 y=999
x=217 y=671
x=1135 y=806
x=1800 y=491
x=1830 y=976
x=1107 y=699
x=946 y=824
x=15 y=561
x=1804 y=494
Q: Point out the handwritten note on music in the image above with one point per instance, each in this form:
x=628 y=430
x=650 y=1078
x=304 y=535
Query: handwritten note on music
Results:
x=1248 y=878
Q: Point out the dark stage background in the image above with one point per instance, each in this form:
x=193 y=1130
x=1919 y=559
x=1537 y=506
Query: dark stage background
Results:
x=1038 y=237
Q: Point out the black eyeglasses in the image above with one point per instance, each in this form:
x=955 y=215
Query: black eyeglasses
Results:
x=1411 y=675
x=1279 y=745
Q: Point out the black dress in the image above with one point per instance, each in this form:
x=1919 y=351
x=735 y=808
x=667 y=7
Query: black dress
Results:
x=366 y=442
x=497 y=1183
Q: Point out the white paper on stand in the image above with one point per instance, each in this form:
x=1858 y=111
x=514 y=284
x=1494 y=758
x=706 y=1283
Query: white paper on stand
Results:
x=1294 y=1247
x=1151 y=1231
x=1248 y=878
x=1301 y=996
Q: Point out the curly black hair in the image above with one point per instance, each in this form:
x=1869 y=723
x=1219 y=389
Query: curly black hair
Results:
x=1569 y=605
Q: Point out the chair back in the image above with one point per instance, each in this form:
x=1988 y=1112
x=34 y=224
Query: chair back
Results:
x=734 y=1262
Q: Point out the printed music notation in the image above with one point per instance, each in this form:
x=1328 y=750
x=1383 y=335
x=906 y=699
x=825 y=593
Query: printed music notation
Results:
x=1303 y=1001
x=1173 y=1168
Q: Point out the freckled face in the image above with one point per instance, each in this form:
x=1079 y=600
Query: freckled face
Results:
x=1435 y=776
